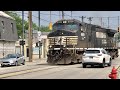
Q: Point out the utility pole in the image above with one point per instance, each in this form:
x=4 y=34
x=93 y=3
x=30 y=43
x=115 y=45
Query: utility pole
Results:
x=71 y=14
x=23 y=31
x=118 y=21
x=39 y=30
x=30 y=35
x=59 y=14
x=108 y=22
x=82 y=18
x=50 y=16
x=62 y=14
x=101 y=21
x=90 y=19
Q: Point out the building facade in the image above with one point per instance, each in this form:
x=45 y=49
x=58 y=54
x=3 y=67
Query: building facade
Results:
x=8 y=34
x=36 y=50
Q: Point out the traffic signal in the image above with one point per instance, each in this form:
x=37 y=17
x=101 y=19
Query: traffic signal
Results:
x=22 y=42
x=118 y=29
x=38 y=44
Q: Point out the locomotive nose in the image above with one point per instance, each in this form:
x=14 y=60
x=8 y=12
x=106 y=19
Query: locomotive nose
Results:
x=62 y=33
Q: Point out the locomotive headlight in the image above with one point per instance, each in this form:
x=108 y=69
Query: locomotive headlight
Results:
x=50 y=46
x=82 y=29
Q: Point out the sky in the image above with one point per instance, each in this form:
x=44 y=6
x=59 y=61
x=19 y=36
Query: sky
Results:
x=45 y=17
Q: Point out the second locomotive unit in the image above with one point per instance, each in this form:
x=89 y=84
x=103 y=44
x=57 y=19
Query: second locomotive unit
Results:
x=70 y=38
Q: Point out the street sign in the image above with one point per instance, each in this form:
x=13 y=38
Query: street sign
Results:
x=39 y=35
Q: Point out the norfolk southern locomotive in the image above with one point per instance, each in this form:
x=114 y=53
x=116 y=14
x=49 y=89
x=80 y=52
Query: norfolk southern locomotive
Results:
x=70 y=38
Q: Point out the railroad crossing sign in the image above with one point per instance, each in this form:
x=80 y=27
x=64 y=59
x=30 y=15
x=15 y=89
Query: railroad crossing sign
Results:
x=39 y=35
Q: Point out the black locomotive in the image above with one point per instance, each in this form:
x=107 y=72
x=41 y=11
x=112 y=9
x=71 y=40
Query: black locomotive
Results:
x=70 y=38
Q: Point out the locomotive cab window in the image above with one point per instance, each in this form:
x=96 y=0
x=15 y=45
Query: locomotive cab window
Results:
x=12 y=27
x=66 y=26
x=3 y=26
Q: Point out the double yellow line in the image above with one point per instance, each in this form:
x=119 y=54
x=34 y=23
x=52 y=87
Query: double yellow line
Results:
x=23 y=72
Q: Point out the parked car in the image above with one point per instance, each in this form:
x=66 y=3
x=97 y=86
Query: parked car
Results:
x=13 y=59
x=96 y=56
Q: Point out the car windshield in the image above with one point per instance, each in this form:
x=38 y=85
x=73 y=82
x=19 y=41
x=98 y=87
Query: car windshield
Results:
x=92 y=51
x=10 y=56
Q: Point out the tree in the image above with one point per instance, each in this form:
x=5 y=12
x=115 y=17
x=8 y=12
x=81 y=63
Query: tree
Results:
x=18 y=20
x=44 y=29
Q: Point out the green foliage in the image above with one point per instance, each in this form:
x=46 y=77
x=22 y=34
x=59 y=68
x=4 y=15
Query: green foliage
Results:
x=44 y=29
x=18 y=20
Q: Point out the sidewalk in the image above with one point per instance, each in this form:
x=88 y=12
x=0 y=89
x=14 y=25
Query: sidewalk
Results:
x=36 y=61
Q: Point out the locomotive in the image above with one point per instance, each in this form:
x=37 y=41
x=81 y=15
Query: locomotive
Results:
x=69 y=39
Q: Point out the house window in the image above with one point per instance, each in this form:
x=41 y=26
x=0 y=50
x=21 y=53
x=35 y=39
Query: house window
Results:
x=3 y=26
x=0 y=35
x=12 y=27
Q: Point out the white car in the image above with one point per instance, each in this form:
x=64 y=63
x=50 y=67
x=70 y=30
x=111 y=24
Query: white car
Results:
x=96 y=56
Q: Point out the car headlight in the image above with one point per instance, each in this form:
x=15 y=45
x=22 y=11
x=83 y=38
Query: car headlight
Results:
x=11 y=61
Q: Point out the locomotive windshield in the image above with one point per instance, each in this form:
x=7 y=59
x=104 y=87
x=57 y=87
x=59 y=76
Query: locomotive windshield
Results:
x=67 y=26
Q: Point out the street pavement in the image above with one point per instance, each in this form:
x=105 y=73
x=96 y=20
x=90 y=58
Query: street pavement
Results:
x=45 y=71
x=66 y=72
x=28 y=65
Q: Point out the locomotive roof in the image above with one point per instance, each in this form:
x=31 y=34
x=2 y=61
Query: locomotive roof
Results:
x=83 y=23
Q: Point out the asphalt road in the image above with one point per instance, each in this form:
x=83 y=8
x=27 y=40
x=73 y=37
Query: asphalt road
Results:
x=65 y=72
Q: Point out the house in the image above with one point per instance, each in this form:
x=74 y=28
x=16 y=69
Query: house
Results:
x=8 y=34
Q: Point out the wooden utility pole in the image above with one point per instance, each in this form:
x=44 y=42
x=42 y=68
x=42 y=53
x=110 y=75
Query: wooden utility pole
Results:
x=30 y=35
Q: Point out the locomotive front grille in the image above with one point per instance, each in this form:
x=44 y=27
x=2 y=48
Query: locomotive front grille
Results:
x=71 y=40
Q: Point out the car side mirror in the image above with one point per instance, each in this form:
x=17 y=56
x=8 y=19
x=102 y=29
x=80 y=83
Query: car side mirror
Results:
x=17 y=57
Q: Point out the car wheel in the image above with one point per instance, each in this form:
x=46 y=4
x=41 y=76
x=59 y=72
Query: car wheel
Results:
x=23 y=62
x=103 y=64
x=84 y=65
x=109 y=64
x=16 y=63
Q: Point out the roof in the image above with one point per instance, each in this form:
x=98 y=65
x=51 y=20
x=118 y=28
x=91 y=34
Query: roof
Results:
x=5 y=15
